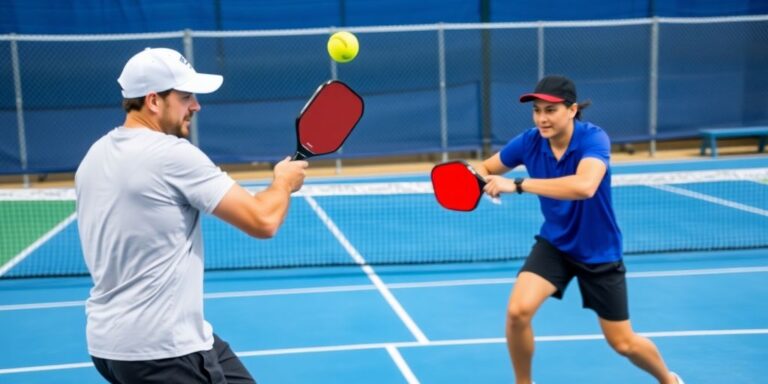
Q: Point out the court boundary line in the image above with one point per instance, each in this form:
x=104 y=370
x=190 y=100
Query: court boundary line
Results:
x=368 y=270
x=431 y=343
x=402 y=365
x=37 y=243
x=411 y=285
x=711 y=199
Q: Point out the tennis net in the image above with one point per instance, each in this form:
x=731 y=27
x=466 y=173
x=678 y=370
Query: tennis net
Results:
x=400 y=223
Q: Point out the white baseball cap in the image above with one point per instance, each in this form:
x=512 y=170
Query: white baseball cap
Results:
x=161 y=69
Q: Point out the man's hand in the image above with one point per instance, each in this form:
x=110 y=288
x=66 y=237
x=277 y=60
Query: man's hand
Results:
x=292 y=173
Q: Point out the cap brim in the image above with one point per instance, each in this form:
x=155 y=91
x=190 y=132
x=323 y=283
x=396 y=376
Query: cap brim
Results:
x=201 y=83
x=540 y=96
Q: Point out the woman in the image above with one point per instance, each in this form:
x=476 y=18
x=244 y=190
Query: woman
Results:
x=568 y=164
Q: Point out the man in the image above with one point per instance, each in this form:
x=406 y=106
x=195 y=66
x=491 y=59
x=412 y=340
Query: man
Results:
x=568 y=164
x=140 y=192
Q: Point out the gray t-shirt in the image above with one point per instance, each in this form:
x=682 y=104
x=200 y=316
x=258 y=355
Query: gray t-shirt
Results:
x=139 y=197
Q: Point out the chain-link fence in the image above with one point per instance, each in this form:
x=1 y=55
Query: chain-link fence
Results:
x=428 y=88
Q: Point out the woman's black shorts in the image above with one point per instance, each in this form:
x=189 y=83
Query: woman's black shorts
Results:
x=603 y=286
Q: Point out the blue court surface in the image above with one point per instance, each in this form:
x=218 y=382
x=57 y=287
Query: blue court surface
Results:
x=704 y=306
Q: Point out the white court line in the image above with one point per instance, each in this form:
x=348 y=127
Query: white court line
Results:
x=39 y=242
x=655 y=162
x=415 y=285
x=453 y=283
x=711 y=199
x=432 y=343
x=697 y=272
x=56 y=304
x=216 y=295
x=290 y=291
x=402 y=365
x=385 y=292
x=40 y=368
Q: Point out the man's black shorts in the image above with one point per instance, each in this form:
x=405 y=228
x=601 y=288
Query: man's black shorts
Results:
x=218 y=365
x=603 y=286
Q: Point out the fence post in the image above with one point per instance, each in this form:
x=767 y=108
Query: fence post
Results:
x=19 y=108
x=540 y=49
x=485 y=41
x=486 y=82
x=190 y=55
x=335 y=76
x=654 y=87
x=443 y=92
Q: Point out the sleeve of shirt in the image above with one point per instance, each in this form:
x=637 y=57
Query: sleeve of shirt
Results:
x=512 y=153
x=598 y=145
x=194 y=176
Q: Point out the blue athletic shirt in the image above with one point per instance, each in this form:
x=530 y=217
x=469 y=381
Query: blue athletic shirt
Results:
x=586 y=230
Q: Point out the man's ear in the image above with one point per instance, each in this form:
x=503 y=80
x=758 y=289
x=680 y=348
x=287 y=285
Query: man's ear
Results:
x=152 y=102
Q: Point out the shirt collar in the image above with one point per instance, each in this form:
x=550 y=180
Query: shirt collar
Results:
x=578 y=127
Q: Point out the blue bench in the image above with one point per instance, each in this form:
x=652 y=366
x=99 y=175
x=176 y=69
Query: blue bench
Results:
x=709 y=137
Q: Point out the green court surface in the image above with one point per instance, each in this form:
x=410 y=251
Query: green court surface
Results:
x=24 y=222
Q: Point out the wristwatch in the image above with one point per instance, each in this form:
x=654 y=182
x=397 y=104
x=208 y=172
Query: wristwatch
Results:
x=519 y=184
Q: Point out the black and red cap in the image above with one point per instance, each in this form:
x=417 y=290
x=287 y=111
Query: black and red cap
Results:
x=554 y=89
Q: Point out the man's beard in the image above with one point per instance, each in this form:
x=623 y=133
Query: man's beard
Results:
x=178 y=129
x=179 y=132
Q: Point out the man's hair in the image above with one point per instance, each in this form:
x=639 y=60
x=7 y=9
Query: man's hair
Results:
x=137 y=102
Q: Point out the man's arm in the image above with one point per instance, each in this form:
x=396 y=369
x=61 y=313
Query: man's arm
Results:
x=579 y=186
x=262 y=214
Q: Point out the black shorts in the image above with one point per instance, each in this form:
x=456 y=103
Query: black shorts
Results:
x=217 y=365
x=603 y=286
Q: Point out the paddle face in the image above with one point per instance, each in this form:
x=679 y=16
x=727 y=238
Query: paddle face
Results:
x=457 y=185
x=327 y=119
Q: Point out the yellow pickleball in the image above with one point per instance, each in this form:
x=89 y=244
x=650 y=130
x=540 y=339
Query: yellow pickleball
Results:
x=343 y=47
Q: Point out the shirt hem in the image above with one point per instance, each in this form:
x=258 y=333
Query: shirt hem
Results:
x=141 y=356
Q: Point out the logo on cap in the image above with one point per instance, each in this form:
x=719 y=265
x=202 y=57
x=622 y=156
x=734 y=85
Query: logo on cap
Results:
x=184 y=61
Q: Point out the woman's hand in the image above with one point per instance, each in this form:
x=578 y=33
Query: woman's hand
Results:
x=496 y=185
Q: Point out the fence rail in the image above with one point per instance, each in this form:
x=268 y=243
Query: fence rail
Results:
x=429 y=88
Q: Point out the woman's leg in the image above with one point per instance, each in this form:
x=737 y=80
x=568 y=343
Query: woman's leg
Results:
x=639 y=350
x=528 y=294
